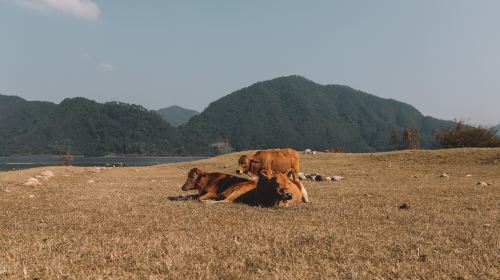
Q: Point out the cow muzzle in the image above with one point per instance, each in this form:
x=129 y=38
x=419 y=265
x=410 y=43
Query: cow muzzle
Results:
x=239 y=171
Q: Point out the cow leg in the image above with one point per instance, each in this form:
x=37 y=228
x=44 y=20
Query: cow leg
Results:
x=207 y=196
x=305 y=197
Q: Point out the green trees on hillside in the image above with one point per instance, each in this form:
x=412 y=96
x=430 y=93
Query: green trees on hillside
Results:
x=466 y=135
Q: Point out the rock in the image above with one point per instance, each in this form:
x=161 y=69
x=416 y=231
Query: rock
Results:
x=32 y=182
x=368 y=195
x=404 y=206
x=302 y=176
x=90 y=181
x=328 y=178
x=311 y=177
x=314 y=152
x=307 y=151
x=486 y=225
x=468 y=175
x=319 y=178
x=48 y=174
x=337 y=178
x=31 y=196
x=482 y=184
x=444 y=175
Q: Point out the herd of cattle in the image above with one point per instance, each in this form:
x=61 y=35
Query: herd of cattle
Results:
x=272 y=168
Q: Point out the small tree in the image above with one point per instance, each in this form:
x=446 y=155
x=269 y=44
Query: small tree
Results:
x=411 y=138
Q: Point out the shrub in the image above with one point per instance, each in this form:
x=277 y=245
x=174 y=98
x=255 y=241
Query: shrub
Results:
x=467 y=135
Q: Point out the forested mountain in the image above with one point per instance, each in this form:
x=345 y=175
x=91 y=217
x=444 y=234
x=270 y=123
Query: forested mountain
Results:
x=295 y=112
x=84 y=127
x=284 y=112
x=176 y=115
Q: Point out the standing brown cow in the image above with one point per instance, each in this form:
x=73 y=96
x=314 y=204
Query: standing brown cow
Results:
x=277 y=161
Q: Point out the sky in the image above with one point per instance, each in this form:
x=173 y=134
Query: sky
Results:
x=443 y=57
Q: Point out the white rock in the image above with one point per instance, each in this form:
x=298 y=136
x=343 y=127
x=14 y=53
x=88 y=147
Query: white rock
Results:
x=32 y=182
x=91 y=181
x=483 y=184
x=337 y=178
x=468 y=175
x=328 y=178
x=444 y=175
x=308 y=151
x=302 y=176
x=31 y=196
x=48 y=174
x=314 y=152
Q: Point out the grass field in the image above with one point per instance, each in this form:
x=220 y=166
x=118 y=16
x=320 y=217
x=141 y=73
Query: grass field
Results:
x=120 y=224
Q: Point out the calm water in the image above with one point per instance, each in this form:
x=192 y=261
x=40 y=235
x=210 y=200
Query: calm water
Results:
x=22 y=162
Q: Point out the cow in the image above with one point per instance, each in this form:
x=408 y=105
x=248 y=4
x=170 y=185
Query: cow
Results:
x=217 y=186
x=278 y=161
x=271 y=190
x=276 y=189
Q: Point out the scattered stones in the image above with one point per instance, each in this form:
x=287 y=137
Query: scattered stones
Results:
x=48 y=174
x=317 y=177
x=32 y=182
x=444 y=175
x=404 y=206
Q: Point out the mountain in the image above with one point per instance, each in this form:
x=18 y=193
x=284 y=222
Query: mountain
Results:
x=296 y=112
x=86 y=128
x=177 y=115
x=284 y=112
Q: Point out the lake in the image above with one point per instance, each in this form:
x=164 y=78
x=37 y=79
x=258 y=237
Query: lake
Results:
x=23 y=162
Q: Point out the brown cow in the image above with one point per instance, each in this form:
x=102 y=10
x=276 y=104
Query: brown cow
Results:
x=271 y=190
x=215 y=185
x=278 y=161
x=277 y=190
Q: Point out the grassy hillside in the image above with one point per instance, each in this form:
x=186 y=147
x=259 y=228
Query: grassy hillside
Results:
x=295 y=112
x=117 y=223
x=176 y=115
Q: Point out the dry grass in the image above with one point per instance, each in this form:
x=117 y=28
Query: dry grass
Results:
x=122 y=226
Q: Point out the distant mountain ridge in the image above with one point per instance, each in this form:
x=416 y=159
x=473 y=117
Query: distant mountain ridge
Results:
x=296 y=112
x=177 y=115
x=284 y=112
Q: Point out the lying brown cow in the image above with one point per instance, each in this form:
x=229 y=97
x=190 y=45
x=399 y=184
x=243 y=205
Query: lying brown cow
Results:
x=216 y=186
x=277 y=190
x=271 y=190
x=278 y=161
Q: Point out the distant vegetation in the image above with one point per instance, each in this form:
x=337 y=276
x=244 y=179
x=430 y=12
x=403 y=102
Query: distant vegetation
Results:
x=497 y=128
x=284 y=112
x=176 y=115
x=466 y=135
x=296 y=112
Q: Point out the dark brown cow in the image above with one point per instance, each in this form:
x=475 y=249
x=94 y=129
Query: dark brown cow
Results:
x=216 y=186
x=277 y=190
x=277 y=161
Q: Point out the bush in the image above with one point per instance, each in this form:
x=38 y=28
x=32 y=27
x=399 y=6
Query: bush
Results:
x=467 y=135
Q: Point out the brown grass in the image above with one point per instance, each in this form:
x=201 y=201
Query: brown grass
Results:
x=122 y=226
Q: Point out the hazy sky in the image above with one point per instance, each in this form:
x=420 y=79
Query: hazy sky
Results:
x=443 y=57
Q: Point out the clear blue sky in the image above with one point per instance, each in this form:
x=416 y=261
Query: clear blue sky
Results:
x=443 y=57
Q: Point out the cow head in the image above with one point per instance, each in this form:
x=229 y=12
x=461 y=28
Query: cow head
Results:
x=193 y=179
x=278 y=182
x=245 y=163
